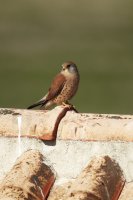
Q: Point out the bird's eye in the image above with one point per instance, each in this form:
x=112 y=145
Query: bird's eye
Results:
x=68 y=65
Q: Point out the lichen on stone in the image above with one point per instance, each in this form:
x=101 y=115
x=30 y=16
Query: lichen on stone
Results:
x=6 y=111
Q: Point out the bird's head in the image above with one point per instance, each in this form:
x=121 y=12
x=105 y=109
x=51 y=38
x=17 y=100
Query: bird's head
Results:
x=69 y=68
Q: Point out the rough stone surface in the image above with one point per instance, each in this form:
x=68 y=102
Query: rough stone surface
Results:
x=127 y=193
x=34 y=123
x=30 y=178
x=68 y=158
x=102 y=179
x=80 y=137
x=69 y=125
x=96 y=127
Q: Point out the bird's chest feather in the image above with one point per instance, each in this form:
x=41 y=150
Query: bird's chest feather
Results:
x=68 y=90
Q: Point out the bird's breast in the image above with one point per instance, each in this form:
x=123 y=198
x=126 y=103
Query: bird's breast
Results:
x=68 y=91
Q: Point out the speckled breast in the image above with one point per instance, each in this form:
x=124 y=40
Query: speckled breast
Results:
x=68 y=91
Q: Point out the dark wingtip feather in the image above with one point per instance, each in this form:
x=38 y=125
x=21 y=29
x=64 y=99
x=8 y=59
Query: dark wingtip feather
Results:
x=37 y=104
x=32 y=106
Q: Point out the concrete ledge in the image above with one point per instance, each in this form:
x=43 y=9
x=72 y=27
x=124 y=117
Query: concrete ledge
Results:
x=29 y=178
x=34 y=123
x=101 y=179
x=68 y=125
x=96 y=127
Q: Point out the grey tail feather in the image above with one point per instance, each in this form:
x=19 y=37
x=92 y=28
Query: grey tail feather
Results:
x=42 y=103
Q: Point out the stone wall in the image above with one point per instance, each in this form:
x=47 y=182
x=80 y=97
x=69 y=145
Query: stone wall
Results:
x=70 y=143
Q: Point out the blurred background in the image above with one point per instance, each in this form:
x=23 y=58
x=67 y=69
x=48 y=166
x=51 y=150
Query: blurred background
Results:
x=37 y=36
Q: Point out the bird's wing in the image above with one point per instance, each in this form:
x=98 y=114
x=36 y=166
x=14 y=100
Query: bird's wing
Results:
x=55 y=89
x=56 y=86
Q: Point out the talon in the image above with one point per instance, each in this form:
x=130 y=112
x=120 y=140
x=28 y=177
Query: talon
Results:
x=67 y=105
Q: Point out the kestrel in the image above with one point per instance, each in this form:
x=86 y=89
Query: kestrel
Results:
x=63 y=87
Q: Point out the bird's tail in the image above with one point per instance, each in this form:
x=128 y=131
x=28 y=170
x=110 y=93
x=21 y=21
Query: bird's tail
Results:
x=39 y=103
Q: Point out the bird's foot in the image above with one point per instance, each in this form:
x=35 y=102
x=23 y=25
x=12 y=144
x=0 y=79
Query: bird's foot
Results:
x=69 y=106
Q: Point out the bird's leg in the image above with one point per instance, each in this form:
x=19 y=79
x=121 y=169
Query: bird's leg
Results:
x=67 y=105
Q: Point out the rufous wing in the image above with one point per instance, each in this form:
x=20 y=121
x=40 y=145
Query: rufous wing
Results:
x=56 y=86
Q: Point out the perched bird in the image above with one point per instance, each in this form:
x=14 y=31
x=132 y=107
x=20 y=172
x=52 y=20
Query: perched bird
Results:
x=63 y=87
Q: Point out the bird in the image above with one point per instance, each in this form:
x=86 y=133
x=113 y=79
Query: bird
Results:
x=63 y=87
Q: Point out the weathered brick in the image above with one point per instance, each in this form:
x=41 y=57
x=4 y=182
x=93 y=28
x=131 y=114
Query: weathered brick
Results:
x=95 y=127
x=35 y=123
x=30 y=178
x=102 y=179
x=69 y=125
